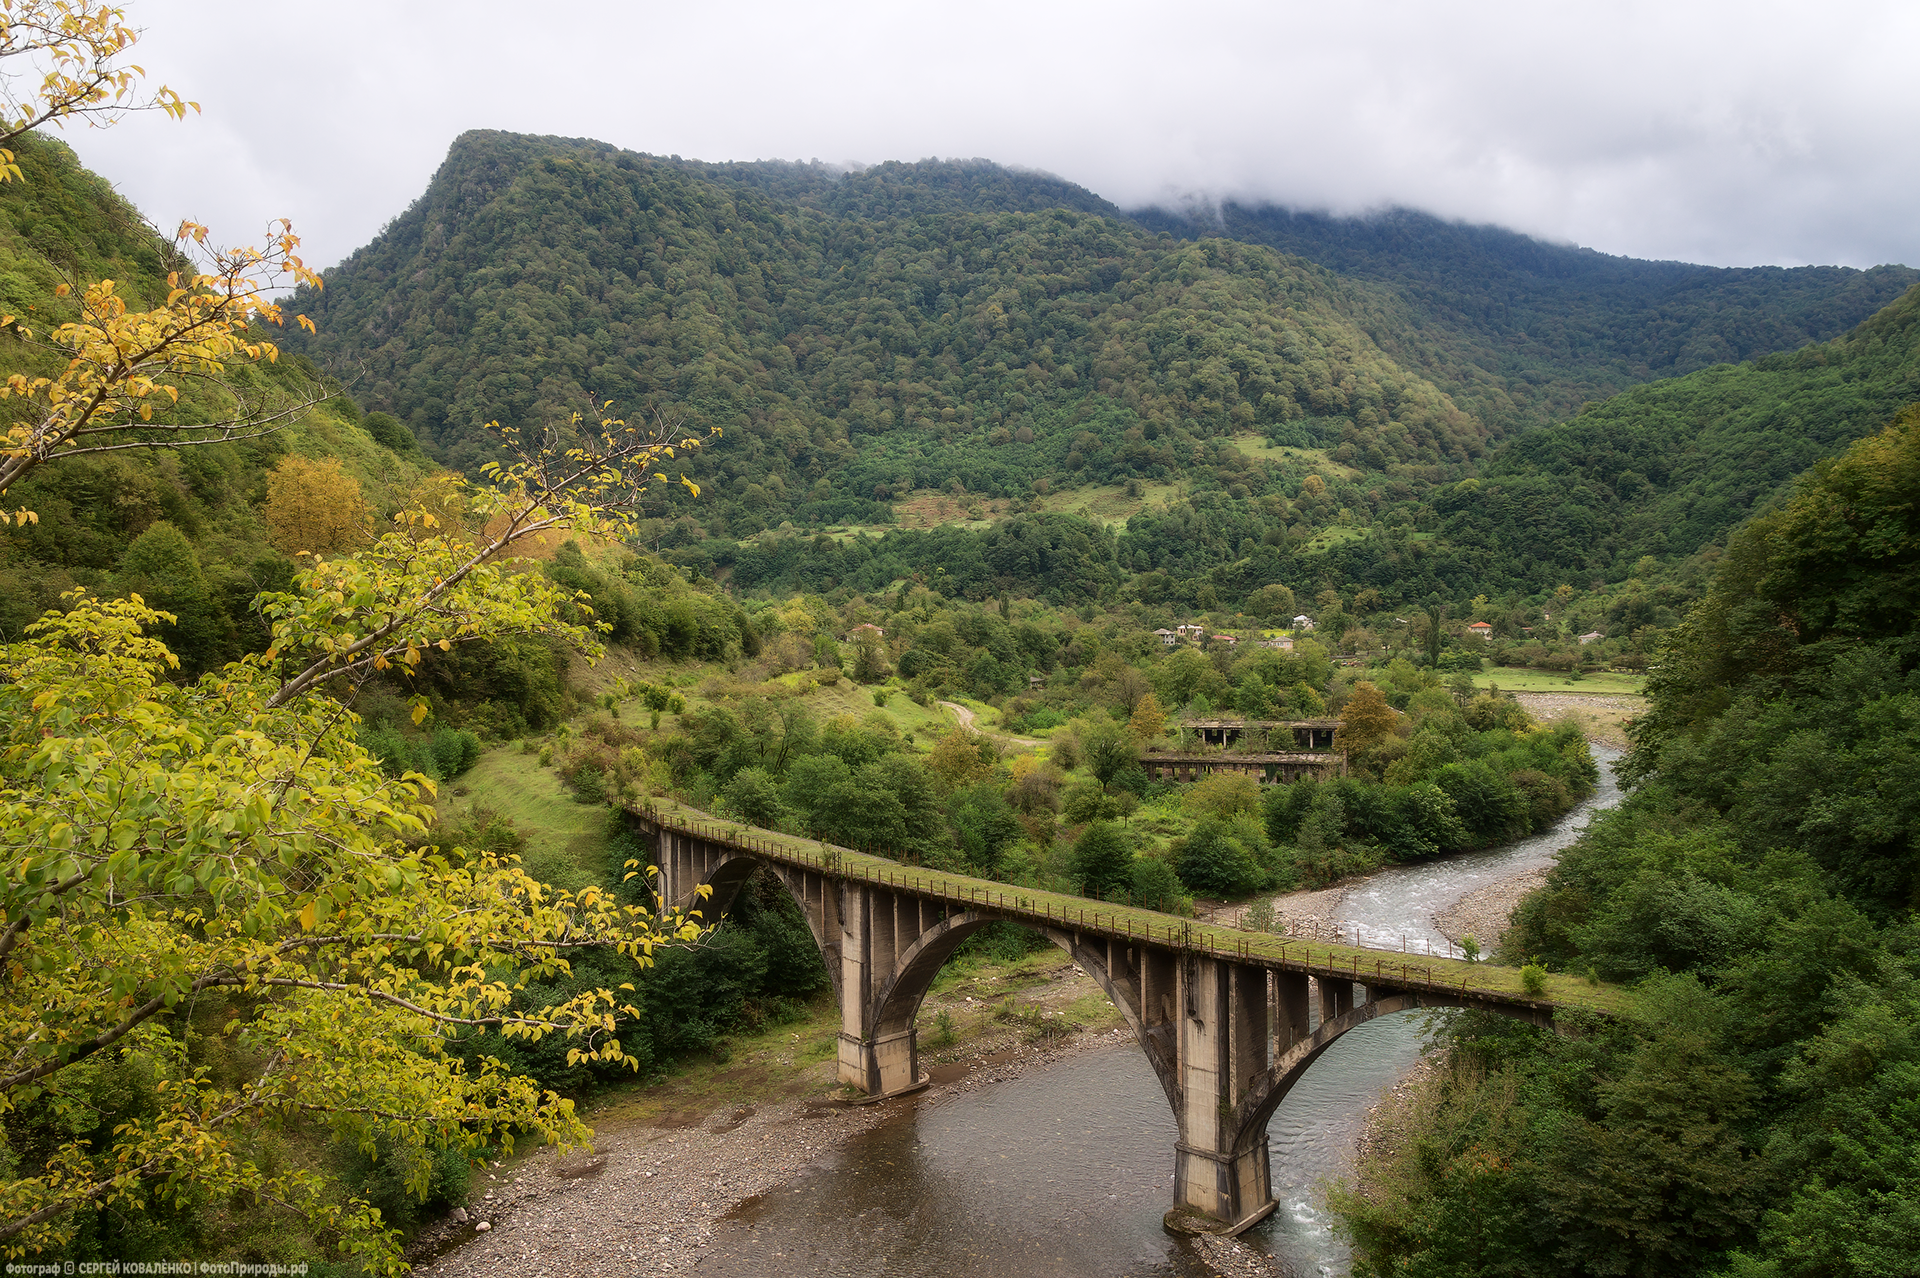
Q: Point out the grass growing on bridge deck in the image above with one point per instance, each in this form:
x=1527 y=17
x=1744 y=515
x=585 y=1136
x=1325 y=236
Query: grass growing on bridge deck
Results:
x=1077 y=913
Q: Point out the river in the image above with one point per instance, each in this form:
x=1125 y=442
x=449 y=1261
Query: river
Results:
x=1065 y=1172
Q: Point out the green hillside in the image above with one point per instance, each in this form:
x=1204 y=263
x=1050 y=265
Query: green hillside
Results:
x=1665 y=469
x=909 y=327
x=1522 y=332
x=182 y=527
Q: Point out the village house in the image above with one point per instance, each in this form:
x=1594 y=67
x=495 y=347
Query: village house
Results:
x=1167 y=637
x=1481 y=630
x=1591 y=636
x=1303 y=622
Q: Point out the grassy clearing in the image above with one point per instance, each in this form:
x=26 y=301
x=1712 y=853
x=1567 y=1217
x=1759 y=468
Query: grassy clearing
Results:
x=1604 y=683
x=1315 y=459
x=1336 y=535
x=566 y=841
x=1109 y=503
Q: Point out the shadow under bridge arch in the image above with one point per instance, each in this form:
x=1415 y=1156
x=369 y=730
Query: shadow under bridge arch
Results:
x=1247 y=1127
x=897 y=1002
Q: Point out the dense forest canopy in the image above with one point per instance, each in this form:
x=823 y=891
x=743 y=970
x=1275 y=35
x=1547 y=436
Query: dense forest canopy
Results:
x=1760 y=885
x=1521 y=331
x=1009 y=340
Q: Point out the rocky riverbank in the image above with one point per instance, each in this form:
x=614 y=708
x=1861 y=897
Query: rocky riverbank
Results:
x=1486 y=914
x=1602 y=717
x=645 y=1200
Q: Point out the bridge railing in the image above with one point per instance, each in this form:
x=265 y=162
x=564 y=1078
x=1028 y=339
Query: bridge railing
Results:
x=1350 y=962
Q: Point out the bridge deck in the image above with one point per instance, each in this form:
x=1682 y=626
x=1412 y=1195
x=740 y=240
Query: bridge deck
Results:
x=1486 y=981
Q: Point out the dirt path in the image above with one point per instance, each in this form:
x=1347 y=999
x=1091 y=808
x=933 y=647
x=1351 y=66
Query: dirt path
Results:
x=966 y=718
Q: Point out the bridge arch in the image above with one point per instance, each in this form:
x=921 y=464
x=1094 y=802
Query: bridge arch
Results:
x=1248 y=1125
x=897 y=1005
x=893 y=1004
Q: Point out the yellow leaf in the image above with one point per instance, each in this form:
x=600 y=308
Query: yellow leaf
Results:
x=419 y=715
x=307 y=917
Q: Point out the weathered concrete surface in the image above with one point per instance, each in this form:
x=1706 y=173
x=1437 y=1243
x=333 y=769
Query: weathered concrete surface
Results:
x=1225 y=1021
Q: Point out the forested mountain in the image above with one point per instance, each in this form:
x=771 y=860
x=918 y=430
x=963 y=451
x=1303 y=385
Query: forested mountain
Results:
x=910 y=327
x=1521 y=331
x=966 y=328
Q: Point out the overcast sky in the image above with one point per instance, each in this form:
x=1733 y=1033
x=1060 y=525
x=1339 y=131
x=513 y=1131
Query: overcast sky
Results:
x=1728 y=133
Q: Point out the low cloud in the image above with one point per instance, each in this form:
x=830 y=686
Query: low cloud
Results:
x=1721 y=133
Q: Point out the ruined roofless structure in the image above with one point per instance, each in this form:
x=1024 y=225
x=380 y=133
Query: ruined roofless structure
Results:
x=1271 y=750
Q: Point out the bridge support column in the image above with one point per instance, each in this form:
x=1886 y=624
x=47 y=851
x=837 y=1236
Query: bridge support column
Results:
x=878 y=1064
x=1336 y=997
x=1290 y=1002
x=1222 y=1053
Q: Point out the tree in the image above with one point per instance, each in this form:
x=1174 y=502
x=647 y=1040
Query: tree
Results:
x=314 y=506
x=1148 y=720
x=165 y=844
x=984 y=826
x=1108 y=749
x=1223 y=794
x=961 y=758
x=869 y=655
x=1367 y=720
x=1102 y=863
x=1270 y=602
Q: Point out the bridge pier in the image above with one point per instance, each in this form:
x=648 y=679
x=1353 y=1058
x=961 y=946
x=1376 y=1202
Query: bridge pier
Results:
x=1223 y=1049
x=879 y=1054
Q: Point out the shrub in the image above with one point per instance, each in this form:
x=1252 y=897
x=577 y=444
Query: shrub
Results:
x=754 y=798
x=1083 y=802
x=589 y=785
x=1102 y=864
x=1217 y=860
x=1155 y=885
x=1533 y=979
x=454 y=751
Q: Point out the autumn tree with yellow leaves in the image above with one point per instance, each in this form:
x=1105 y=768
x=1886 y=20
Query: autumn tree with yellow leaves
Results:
x=169 y=847
x=314 y=506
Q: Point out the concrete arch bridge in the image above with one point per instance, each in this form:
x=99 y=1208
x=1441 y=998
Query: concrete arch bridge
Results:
x=1225 y=1017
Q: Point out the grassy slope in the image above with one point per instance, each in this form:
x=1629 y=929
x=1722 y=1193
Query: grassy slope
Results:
x=566 y=841
x=1604 y=683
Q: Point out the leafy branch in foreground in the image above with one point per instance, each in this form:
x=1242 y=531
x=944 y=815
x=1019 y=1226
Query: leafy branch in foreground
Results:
x=120 y=364
x=426 y=585
x=169 y=845
x=76 y=46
